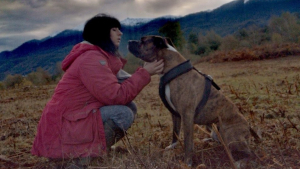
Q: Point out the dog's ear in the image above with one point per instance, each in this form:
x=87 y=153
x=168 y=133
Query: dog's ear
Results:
x=170 y=42
x=160 y=42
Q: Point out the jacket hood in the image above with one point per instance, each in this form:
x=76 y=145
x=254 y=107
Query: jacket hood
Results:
x=76 y=51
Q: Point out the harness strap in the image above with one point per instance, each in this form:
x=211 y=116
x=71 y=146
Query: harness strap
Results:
x=210 y=78
x=168 y=77
x=177 y=71
x=206 y=93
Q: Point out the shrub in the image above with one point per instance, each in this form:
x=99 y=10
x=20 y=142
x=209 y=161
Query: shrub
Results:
x=192 y=47
x=2 y=86
x=58 y=73
x=40 y=77
x=229 y=43
x=26 y=82
x=244 y=44
x=213 y=40
x=12 y=81
x=287 y=25
x=208 y=43
x=203 y=50
x=277 y=38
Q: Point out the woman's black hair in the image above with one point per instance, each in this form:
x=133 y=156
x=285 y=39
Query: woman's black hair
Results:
x=97 y=32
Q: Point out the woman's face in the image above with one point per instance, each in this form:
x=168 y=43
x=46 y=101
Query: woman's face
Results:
x=115 y=36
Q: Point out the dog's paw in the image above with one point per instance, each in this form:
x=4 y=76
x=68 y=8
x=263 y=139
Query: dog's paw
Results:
x=172 y=146
x=244 y=163
x=207 y=140
x=214 y=136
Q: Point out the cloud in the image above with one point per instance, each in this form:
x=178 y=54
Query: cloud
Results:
x=160 y=5
x=22 y=20
x=35 y=19
x=35 y=3
x=178 y=7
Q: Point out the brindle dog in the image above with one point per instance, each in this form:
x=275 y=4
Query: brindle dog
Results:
x=186 y=91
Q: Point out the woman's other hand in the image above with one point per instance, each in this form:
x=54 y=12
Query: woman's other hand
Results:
x=155 y=67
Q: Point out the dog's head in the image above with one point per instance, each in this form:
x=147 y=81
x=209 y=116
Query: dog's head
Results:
x=148 y=47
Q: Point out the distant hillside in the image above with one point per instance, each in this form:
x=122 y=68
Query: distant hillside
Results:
x=224 y=20
x=237 y=15
x=33 y=54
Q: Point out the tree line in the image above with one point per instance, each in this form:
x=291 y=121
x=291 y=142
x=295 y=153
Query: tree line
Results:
x=279 y=30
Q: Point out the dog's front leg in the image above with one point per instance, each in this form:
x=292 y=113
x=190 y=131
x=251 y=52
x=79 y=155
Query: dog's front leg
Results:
x=188 y=129
x=176 y=131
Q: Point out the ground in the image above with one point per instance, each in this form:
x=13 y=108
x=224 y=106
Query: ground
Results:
x=267 y=92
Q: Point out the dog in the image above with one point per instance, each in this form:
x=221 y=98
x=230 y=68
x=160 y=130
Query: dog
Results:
x=183 y=95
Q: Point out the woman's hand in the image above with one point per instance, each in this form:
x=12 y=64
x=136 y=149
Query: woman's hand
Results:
x=155 y=67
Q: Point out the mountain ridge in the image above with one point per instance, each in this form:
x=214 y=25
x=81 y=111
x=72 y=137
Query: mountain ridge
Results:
x=224 y=20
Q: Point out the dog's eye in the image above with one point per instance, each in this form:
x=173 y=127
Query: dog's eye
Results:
x=145 y=41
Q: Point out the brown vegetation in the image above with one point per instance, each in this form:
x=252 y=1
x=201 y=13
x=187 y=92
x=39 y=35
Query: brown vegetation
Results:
x=282 y=32
x=267 y=92
x=260 y=52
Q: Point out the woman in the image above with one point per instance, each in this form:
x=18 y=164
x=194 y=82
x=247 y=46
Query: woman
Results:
x=90 y=108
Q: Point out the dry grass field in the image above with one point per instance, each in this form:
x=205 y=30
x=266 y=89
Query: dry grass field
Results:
x=267 y=92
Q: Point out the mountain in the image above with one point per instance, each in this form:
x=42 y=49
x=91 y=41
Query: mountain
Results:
x=224 y=20
x=237 y=15
x=43 y=53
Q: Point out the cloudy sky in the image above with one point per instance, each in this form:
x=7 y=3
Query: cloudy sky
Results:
x=23 y=20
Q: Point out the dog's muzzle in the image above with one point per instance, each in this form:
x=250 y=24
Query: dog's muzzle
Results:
x=133 y=47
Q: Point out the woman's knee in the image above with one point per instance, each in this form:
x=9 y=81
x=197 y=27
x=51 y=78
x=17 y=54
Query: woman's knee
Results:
x=123 y=116
x=127 y=114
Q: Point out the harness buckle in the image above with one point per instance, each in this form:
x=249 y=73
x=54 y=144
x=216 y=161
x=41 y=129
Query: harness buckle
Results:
x=209 y=77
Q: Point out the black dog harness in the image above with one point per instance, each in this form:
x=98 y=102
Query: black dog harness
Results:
x=177 y=71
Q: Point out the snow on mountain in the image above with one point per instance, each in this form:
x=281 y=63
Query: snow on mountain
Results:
x=135 y=21
x=245 y=1
x=130 y=22
x=126 y=22
x=141 y=21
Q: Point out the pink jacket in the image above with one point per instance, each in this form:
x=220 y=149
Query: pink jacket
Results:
x=71 y=125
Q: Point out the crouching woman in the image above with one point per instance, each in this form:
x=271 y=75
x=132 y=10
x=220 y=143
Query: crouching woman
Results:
x=91 y=108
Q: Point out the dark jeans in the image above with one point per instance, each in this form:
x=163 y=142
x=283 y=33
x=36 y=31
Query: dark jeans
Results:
x=122 y=115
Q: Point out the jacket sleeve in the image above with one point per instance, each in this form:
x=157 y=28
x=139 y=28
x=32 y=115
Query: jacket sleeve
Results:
x=103 y=84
